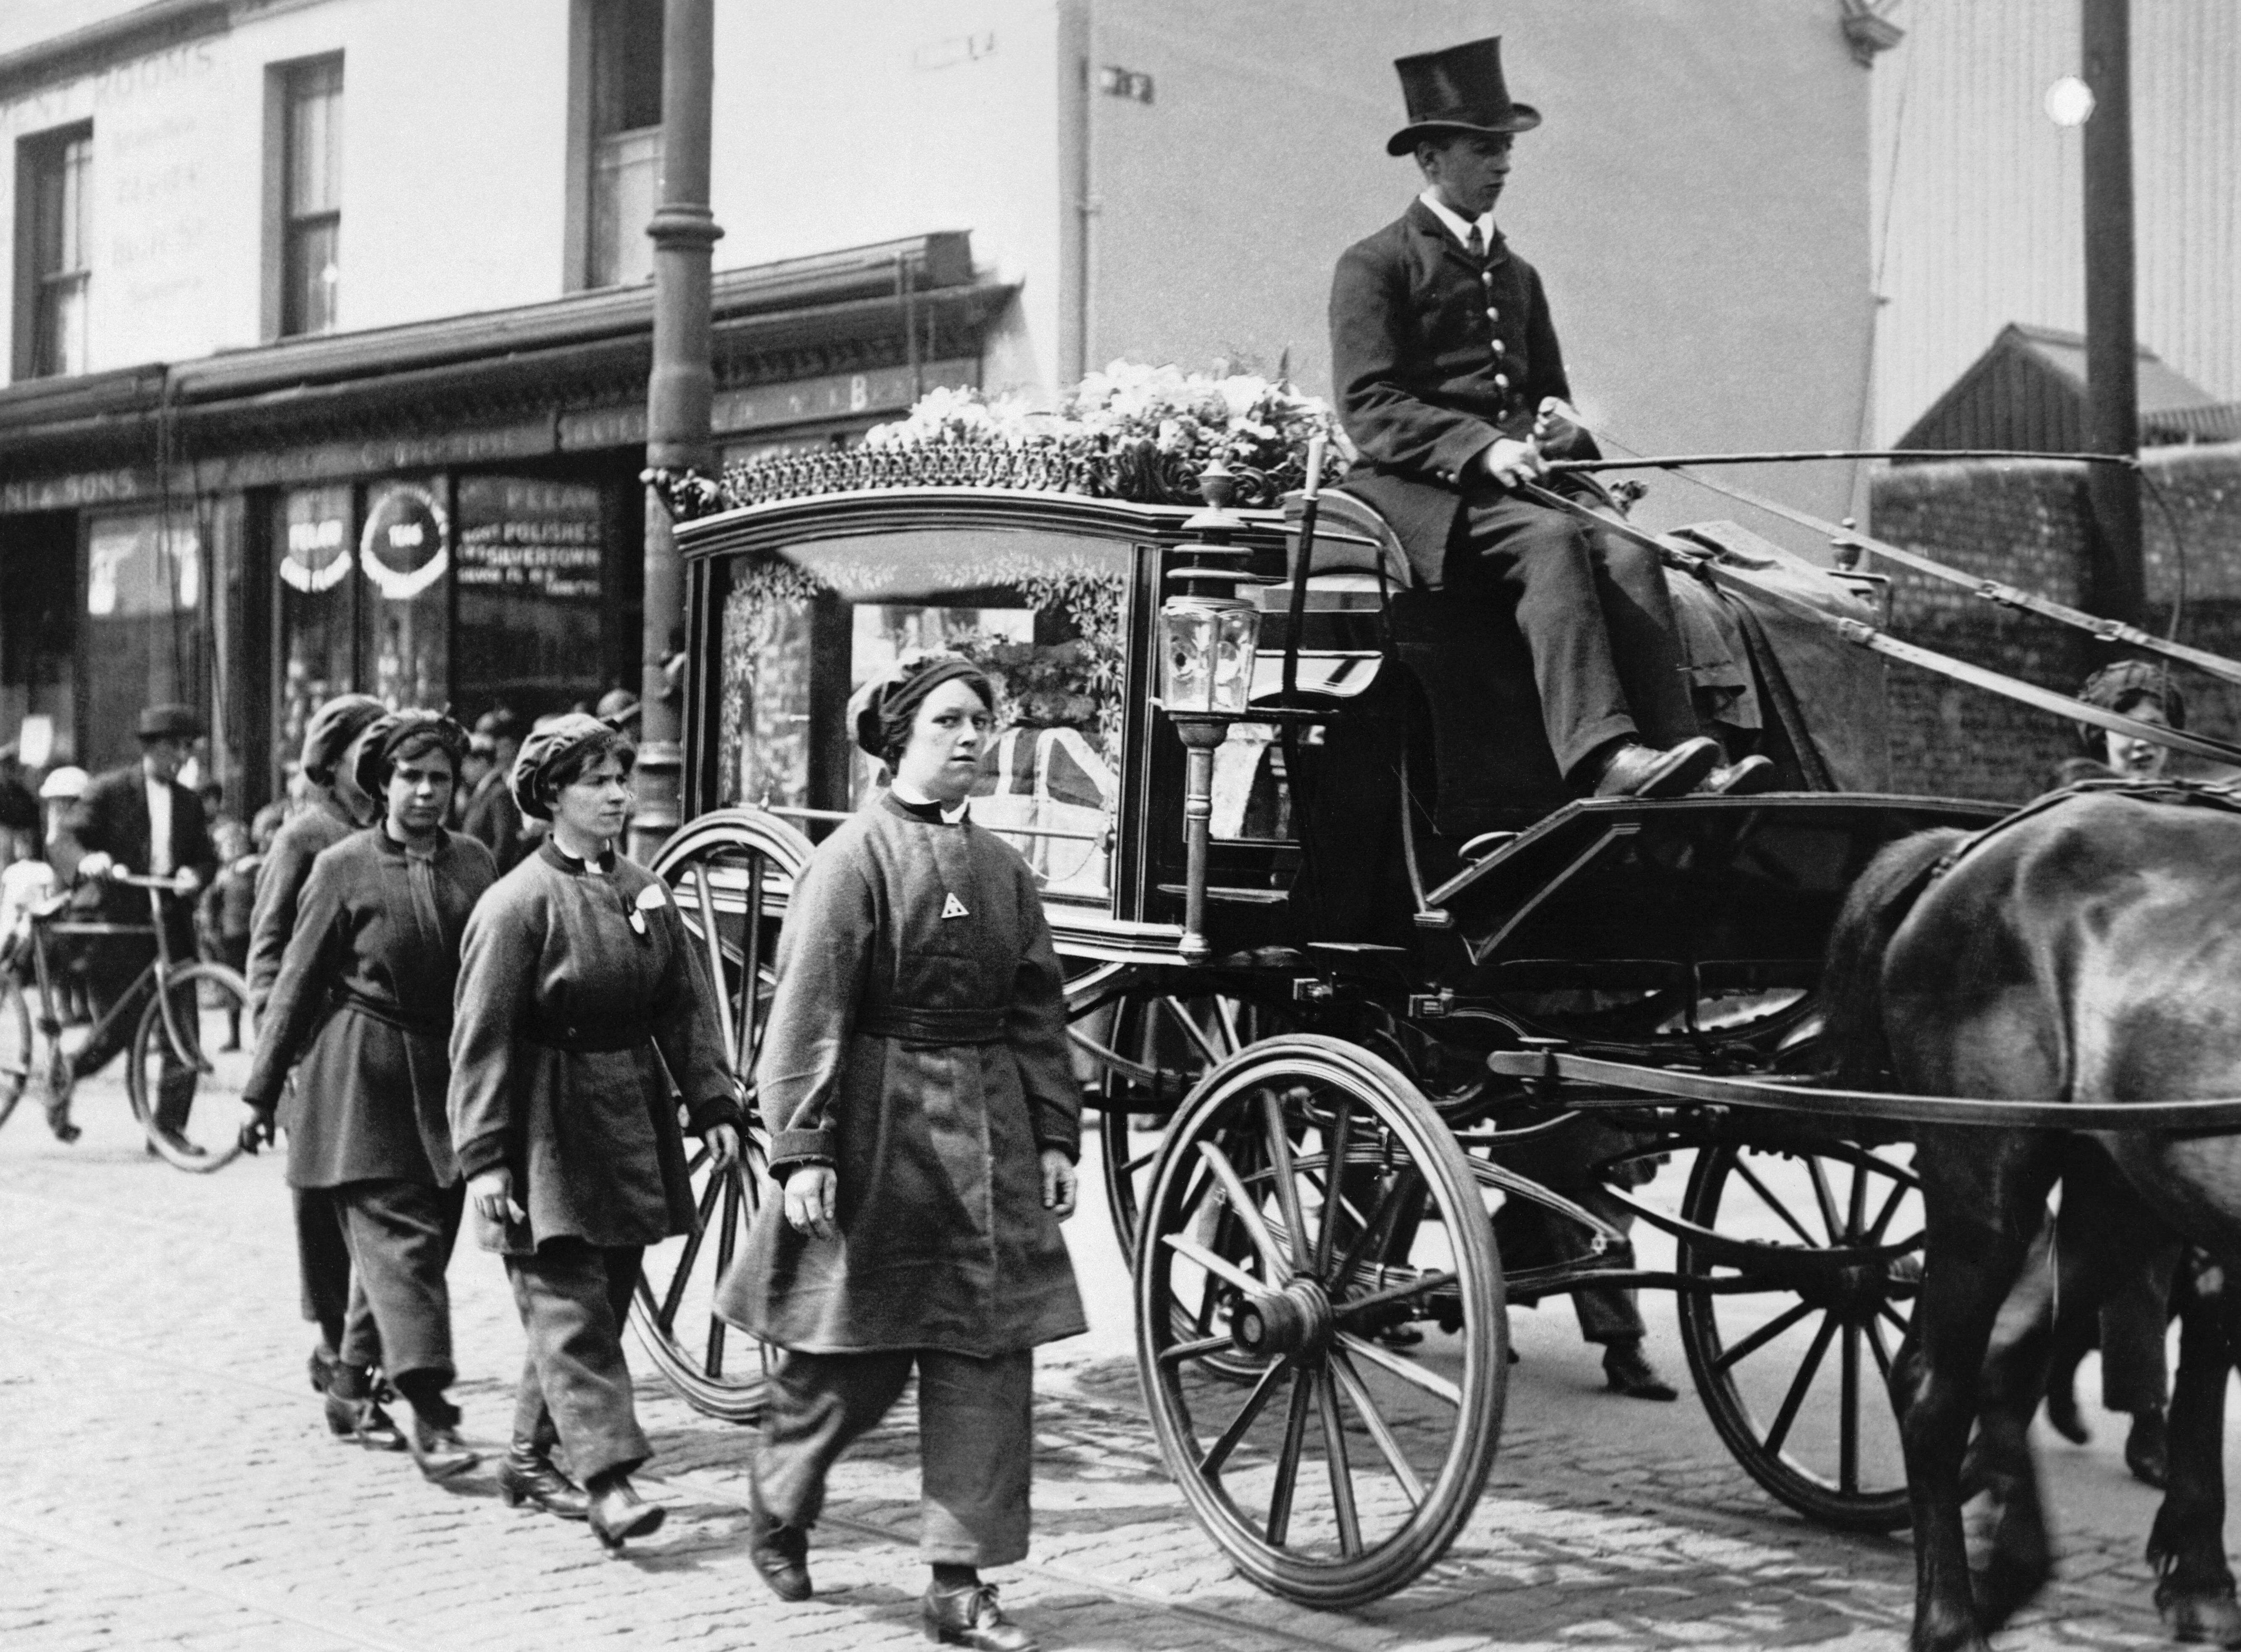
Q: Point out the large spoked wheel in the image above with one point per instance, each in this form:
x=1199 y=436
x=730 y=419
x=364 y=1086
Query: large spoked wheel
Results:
x=191 y=1057
x=1796 y=1376
x=1151 y=1049
x=1307 y=1203
x=732 y=873
x=16 y=1047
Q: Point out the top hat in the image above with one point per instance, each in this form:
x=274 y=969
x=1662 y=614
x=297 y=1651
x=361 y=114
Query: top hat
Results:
x=1460 y=89
x=170 y=722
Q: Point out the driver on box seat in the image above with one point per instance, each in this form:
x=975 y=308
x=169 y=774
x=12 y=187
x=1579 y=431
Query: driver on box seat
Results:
x=1452 y=386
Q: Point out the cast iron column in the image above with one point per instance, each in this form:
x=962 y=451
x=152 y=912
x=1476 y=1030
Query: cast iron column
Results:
x=679 y=393
x=2112 y=385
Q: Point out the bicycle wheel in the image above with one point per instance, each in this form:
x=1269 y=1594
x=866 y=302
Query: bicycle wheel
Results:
x=16 y=1049
x=187 y=1068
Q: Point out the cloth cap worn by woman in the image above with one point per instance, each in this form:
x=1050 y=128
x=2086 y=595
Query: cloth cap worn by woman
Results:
x=392 y=735
x=881 y=712
x=331 y=729
x=549 y=749
x=2119 y=687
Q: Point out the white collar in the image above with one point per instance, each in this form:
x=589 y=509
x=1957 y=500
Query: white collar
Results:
x=1458 y=226
x=910 y=794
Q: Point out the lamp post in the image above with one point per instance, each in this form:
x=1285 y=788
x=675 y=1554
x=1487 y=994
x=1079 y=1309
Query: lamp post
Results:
x=679 y=392
x=2112 y=393
x=1209 y=640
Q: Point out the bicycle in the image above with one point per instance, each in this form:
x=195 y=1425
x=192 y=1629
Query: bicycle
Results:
x=175 y=1001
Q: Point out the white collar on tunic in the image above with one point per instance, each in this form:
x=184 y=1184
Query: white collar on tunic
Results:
x=1459 y=226
x=908 y=793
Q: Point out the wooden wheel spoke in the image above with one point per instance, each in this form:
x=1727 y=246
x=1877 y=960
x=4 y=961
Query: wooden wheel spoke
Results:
x=1392 y=1293
x=1280 y=1161
x=1407 y=1370
x=1192 y=1030
x=1225 y=1011
x=714 y=1364
x=712 y=940
x=1228 y=1273
x=1825 y=1198
x=1210 y=1462
x=1874 y=1234
x=1141 y=1160
x=1288 y=1463
x=1734 y=1357
x=1334 y=1184
x=1336 y=1460
x=748 y=1018
x=1380 y=1430
x=1883 y=1310
x=1874 y=1331
x=1848 y=1416
x=1378 y=1229
x=691 y=1254
x=1800 y=1385
x=1772 y=1204
x=1197 y=1349
x=1242 y=1205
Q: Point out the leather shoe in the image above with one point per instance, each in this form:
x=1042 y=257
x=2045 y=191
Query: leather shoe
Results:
x=1638 y=770
x=322 y=1367
x=2061 y=1410
x=2147 y=1453
x=363 y=1422
x=618 y=1512
x=1746 y=779
x=970 y=1616
x=529 y=1475
x=438 y=1449
x=1629 y=1374
x=779 y=1552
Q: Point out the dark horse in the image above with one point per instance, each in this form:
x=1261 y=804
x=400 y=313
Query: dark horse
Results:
x=2087 y=950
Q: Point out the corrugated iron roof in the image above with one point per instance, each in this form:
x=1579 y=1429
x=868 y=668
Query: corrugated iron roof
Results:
x=2028 y=391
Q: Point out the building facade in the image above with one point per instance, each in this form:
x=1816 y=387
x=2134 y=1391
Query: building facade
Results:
x=330 y=318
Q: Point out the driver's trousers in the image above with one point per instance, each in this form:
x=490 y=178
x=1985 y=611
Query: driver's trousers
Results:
x=1596 y=621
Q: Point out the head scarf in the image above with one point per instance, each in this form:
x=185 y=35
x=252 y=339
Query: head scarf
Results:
x=377 y=749
x=331 y=731
x=881 y=712
x=549 y=746
x=2126 y=681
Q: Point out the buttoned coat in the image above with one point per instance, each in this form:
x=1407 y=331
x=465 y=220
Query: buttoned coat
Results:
x=1434 y=358
x=112 y=816
x=917 y=1044
x=364 y=1000
x=579 y=981
x=302 y=839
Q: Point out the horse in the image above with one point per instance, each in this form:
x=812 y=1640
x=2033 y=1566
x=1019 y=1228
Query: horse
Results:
x=2086 y=950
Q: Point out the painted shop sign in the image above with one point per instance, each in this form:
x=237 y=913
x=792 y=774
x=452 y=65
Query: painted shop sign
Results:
x=540 y=539
x=406 y=545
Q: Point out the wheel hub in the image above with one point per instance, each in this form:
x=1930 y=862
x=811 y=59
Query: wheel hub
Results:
x=1294 y=1320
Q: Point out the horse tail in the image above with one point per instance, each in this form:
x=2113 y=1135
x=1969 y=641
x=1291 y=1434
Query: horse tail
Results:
x=1852 y=968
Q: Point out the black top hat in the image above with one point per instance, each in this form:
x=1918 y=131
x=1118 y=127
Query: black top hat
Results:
x=1460 y=89
x=170 y=722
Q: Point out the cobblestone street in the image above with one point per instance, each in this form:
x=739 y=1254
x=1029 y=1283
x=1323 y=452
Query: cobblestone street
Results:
x=170 y=1484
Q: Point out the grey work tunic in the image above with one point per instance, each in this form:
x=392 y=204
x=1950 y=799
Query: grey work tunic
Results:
x=916 y=1043
x=366 y=984
x=575 y=974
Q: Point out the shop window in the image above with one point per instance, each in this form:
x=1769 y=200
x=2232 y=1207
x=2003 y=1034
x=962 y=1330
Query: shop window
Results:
x=315 y=607
x=532 y=594
x=38 y=634
x=625 y=131
x=145 y=603
x=54 y=176
x=405 y=553
x=306 y=217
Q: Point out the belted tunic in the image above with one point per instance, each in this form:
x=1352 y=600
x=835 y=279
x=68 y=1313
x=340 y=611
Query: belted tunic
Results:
x=917 y=1044
x=366 y=983
x=579 y=982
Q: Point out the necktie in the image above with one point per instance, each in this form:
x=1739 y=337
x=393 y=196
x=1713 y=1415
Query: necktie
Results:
x=1475 y=246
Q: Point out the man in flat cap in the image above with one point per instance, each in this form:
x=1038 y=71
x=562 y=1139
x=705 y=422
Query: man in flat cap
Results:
x=138 y=818
x=1452 y=385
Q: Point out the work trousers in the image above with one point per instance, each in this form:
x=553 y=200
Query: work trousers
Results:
x=1531 y=1235
x=575 y=1389
x=1596 y=620
x=400 y=1235
x=975 y=1443
x=333 y=1298
x=112 y=964
x=2114 y=1261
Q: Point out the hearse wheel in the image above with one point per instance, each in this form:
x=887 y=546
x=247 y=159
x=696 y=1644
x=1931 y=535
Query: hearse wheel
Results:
x=1370 y=1301
x=1796 y=1378
x=730 y=873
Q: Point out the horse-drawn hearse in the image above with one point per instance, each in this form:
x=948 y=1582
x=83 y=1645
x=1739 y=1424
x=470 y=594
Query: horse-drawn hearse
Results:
x=1349 y=968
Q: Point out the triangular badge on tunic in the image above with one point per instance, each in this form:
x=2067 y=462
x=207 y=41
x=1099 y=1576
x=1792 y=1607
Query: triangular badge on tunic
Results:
x=954 y=908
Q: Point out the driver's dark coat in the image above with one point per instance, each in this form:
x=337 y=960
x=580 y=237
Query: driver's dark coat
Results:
x=1416 y=368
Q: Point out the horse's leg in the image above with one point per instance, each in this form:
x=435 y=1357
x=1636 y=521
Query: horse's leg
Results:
x=1983 y=1194
x=2000 y=1460
x=2187 y=1543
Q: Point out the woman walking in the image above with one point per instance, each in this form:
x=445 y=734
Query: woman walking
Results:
x=926 y=1120
x=376 y=941
x=579 y=983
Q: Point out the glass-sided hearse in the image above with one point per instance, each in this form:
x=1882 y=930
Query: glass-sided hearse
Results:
x=1308 y=861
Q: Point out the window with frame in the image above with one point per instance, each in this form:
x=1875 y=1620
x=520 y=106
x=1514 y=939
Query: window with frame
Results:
x=309 y=229
x=625 y=128
x=54 y=176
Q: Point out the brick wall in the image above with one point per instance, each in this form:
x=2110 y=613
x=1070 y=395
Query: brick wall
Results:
x=2026 y=523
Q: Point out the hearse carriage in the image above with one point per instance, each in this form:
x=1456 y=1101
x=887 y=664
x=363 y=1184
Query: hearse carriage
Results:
x=1323 y=900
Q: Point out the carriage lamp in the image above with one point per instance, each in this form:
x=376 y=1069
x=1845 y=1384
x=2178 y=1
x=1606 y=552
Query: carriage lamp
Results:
x=1209 y=641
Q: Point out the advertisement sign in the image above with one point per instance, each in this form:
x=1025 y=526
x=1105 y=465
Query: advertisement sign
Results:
x=406 y=543
x=530 y=538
